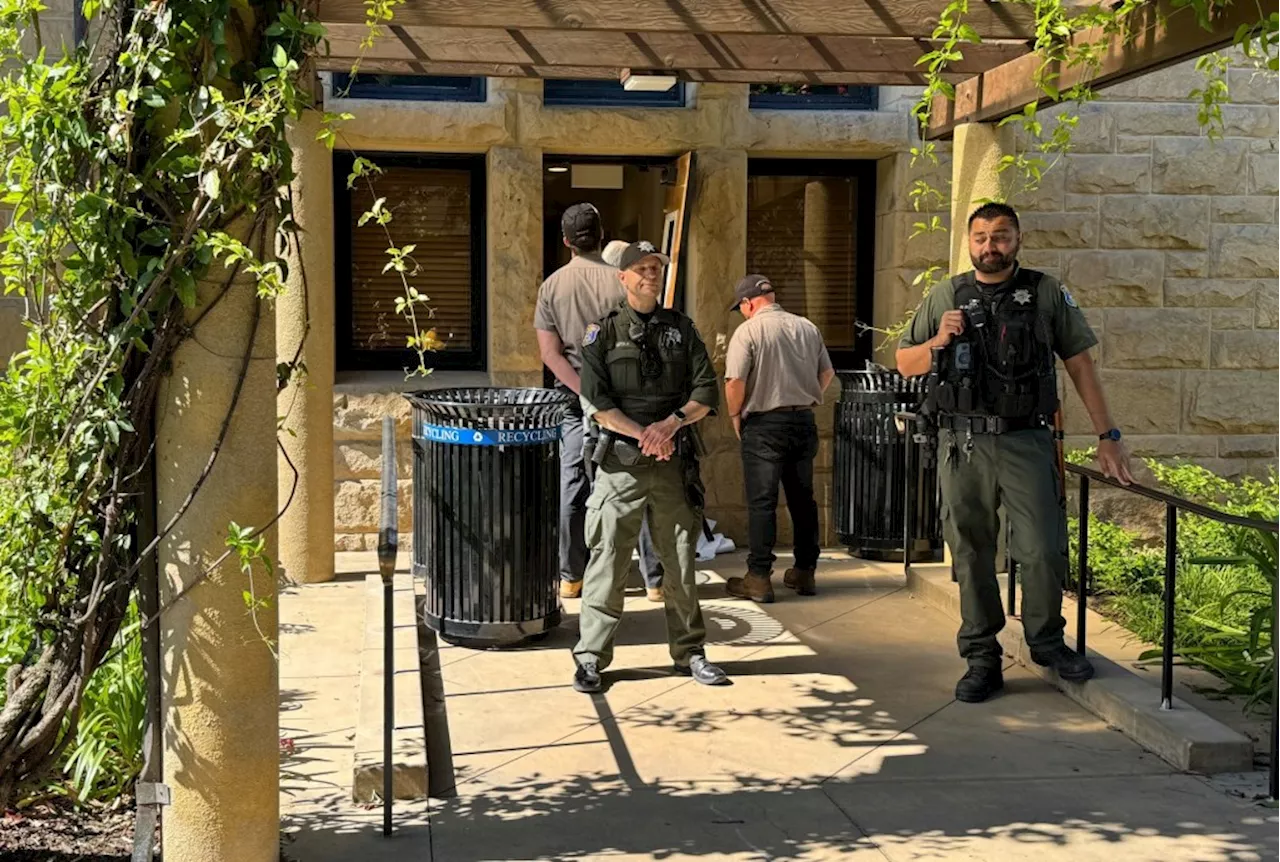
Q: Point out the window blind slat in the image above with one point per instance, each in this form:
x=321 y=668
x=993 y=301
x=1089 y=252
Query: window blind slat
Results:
x=431 y=210
x=802 y=234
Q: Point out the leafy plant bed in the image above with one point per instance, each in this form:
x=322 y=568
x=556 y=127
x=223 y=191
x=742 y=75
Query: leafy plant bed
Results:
x=1225 y=582
x=56 y=831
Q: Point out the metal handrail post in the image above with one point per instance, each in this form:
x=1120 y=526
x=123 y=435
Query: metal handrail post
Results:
x=1170 y=587
x=1082 y=578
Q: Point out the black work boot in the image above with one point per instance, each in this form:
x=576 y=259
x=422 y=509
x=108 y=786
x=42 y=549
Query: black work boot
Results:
x=758 y=588
x=586 y=678
x=801 y=580
x=979 y=683
x=1069 y=664
x=703 y=671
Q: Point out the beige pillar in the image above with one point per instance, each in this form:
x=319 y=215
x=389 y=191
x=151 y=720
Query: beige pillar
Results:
x=514 y=216
x=305 y=322
x=716 y=259
x=219 y=690
x=975 y=154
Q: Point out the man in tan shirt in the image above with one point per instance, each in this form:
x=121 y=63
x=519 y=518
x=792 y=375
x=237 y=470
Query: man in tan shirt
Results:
x=775 y=373
x=572 y=298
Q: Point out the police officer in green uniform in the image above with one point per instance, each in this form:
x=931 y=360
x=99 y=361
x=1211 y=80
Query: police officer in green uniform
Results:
x=987 y=339
x=646 y=377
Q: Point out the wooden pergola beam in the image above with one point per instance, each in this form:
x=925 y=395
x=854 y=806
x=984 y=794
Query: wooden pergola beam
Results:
x=911 y=18
x=1159 y=35
x=386 y=66
x=655 y=51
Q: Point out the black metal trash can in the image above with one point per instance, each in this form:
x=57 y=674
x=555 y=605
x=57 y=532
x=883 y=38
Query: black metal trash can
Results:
x=870 y=470
x=486 y=500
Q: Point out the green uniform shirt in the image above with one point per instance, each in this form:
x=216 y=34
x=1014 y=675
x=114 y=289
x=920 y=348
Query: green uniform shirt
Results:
x=1071 y=332
x=612 y=365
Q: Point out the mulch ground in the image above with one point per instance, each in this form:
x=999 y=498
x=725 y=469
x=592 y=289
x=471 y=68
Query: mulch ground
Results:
x=57 y=832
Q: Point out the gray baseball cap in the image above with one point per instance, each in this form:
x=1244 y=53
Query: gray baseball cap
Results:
x=749 y=288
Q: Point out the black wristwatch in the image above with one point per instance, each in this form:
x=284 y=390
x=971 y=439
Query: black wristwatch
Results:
x=1113 y=434
x=679 y=414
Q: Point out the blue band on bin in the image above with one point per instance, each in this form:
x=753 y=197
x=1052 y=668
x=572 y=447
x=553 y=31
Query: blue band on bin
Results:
x=490 y=436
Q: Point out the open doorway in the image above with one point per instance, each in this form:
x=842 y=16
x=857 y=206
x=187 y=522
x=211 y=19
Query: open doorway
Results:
x=639 y=198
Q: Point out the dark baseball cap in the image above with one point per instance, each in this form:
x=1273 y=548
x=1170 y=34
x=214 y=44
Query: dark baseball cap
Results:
x=638 y=251
x=580 y=225
x=749 y=288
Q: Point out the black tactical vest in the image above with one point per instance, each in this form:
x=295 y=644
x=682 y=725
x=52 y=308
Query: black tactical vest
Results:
x=1003 y=363
x=648 y=362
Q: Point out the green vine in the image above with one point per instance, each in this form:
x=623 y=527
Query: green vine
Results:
x=142 y=172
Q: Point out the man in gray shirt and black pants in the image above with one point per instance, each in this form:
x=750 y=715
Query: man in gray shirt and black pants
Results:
x=572 y=298
x=775 y=373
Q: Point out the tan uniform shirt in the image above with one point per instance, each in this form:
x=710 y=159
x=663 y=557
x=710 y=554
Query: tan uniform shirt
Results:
x=779 y=355
x=575 y=296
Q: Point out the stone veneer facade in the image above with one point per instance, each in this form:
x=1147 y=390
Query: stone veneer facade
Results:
x=1167 y=239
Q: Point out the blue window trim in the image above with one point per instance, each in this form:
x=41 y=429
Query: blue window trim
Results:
x=411 y=88
x=856 y=99
x=578 y=93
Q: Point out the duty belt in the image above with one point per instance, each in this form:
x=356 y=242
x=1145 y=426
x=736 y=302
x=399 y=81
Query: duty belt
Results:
x=988 y=424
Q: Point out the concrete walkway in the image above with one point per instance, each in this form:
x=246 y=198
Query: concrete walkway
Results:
x=838 y=739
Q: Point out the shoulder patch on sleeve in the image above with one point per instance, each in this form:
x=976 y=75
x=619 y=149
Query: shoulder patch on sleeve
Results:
x=1067 y=297
x=589 y=337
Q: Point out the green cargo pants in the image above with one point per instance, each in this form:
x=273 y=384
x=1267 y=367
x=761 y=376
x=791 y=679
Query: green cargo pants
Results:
x=1018 y=470
x=615 y=512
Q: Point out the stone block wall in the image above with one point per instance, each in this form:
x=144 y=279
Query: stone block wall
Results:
x=357 y=468
x=1168 y=240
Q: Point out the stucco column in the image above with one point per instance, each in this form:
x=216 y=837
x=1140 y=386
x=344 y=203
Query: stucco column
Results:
x=219 y=689
x=305 y=322
x=514 y=263
x=716 y=259
x=975 y=154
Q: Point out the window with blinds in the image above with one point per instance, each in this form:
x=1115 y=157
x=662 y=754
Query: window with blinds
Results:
x=436 y=207
x=808 y=231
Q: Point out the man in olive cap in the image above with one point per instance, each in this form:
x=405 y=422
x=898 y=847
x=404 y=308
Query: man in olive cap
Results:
x=646 y=378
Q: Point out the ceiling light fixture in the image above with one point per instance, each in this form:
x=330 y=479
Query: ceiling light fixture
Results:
x=558 y=169
x=647 y=83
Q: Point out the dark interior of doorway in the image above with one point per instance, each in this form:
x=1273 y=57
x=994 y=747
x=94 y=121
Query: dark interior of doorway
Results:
x=811 y=229
x=629 y=213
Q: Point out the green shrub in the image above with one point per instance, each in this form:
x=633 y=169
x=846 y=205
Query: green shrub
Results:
x=1226 y=578
x=108 y=751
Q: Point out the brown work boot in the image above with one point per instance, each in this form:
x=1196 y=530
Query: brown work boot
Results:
x=758 y=588
x=570 y=589
x=654 y=594
x=800 y=580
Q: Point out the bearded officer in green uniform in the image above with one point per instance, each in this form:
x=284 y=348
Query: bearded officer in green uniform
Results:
x=988 y=339
x=646 y=378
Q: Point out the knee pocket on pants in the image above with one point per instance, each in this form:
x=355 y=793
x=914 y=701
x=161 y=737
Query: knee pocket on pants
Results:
x=595 y=532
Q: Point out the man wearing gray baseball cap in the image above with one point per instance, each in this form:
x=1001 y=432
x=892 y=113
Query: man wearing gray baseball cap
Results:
x=776 y=370
x=573 y=297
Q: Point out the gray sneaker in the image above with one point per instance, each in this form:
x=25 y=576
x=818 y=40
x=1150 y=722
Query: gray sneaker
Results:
x=586 y=678
x=703 y=671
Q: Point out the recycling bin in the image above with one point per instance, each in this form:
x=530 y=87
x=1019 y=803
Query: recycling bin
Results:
x=486 y=500
x=870 y=479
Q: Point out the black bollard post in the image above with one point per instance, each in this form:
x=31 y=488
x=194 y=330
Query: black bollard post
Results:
x=388 y=543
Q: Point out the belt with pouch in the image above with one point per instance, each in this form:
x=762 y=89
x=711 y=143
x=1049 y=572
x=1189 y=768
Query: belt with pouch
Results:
x=627 y=453
x=973 y=424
